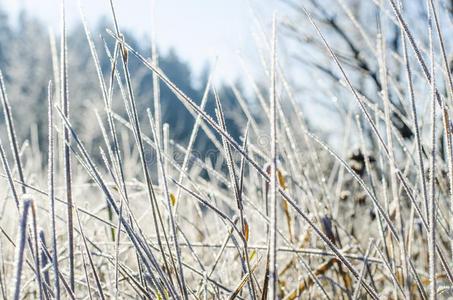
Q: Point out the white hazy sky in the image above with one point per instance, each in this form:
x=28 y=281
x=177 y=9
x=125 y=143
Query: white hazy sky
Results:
x=199 y=30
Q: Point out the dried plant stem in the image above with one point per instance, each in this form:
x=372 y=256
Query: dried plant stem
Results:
x=51 y=193
x=431 y=212
x=273 y=272
x=20 y=249
x=66 y=150
x=11 y=132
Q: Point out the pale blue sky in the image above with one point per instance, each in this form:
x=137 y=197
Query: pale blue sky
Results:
x=199 y=30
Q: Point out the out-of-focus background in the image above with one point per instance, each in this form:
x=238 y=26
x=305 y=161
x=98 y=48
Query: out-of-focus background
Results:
x=193 y=38
x=200 y=30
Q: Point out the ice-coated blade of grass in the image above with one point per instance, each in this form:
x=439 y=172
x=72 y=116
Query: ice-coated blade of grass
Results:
x=431 y=207
x=44 y=264
x=8 y=175
x=20 y=248
x=86 y=274
x=156 y=83
x=11 y=131
x=273 y=270
x=34 y=231
x=51 y=192
x=66 y=151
